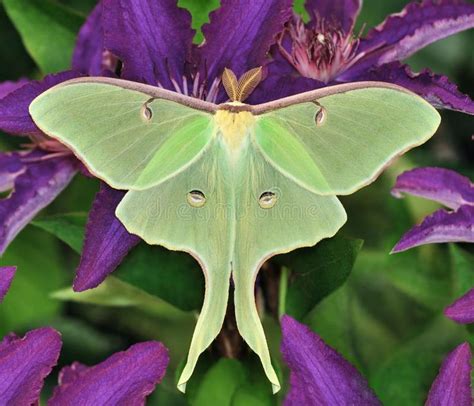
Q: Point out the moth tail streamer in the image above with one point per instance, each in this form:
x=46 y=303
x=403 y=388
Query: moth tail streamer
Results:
x=210 y=319
x=249 y=324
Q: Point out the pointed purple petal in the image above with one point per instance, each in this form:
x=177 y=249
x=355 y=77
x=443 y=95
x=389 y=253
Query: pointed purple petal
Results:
x=441 y=185
x=11 y=167
x=339 y=13
x=24 y=363
x=319 y=374
x=43 y=179
x=452 y=386
x=240 y=34
x=14 y=115
x=87 y=57
x=441 y=226
x=416 y=26
x=125 y=378
x=462 y=310
x=8 y=87
x=436 y=89
x=281 y=81
x=152 y=38
x=107 y=242
x=6 y=277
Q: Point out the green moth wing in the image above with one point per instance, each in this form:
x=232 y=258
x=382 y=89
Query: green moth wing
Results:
x=274 y=216
x=129 y=135
x=233 y=184
x=338 y=143
x=192 y=212
x=231 y=233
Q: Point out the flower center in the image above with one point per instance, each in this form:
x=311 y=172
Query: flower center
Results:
x=321 y=52
x=195 y=86
x=48 y=144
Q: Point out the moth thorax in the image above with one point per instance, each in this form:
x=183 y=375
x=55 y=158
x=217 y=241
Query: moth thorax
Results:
x=234 y=127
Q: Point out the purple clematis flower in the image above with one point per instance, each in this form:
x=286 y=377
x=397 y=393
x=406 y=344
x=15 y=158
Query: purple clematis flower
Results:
x=6 y=277
x=25 y=363
x=37 y=174
x=446 y=187
x=327 y=51
x=462 y=310
x=452 y=386
x=457 y=193
x=126 y=377
x=321 y=376
x=144 y=41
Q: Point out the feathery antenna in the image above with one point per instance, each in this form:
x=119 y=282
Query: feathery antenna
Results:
x=239 y=90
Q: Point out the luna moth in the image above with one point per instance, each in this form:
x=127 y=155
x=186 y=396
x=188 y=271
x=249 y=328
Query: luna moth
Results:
x=233 y=184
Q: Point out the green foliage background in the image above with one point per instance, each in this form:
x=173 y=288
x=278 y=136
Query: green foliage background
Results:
x=382 y=312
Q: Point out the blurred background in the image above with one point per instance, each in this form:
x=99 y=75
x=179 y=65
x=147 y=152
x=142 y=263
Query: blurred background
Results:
x=386 y=317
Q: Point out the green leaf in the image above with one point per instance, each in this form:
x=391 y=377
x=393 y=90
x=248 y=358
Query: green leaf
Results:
x=82 y=341
x=463 y=270
x=28 y=304
x=200 y=10
x=68 y=227
x=173 y=276
x=220 y=383
x=406 y=377
x=81 y=6
x=249 y=395
x=318 y=271
x=15 y=60
x=115 y=293
x=421 y=274
x=345 y=324
x=48 y=30
x=256 y=391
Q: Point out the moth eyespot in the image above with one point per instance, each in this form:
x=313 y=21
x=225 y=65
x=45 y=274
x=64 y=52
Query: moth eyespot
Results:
x=196 y=198
x=320 y=116
x=267 y=200
x=147 y=113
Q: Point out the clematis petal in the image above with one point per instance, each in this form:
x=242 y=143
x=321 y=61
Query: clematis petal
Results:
x=452 y=386
x=416 y=26
x=6 y=277
x=24 y=363
x=107 y=242
x=240 y=34
x=436 y=89
x=339 y=13
x=42 y=180
x=14 y=115
x=281 y=81
x=11 y=167
x=462 y=310
x=9 y=86
x=320 y=375
x=441 y=226
x=87 y=57
x=441 y=185
x=125 y=378
x=152 y=38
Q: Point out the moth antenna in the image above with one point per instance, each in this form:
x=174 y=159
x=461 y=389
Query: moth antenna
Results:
x=248 y=82
x=231 y=84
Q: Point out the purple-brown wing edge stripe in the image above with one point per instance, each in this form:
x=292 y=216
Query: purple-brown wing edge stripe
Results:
x=314 y=95
x=258 y=109
x=152 y=91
